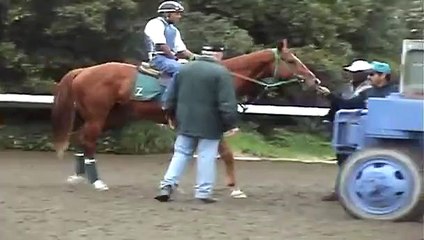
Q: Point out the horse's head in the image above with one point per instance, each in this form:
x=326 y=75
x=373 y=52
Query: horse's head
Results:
x=287 y=65
x=255 y=70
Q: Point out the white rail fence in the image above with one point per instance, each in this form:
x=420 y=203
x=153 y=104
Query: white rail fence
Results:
x=45 y=101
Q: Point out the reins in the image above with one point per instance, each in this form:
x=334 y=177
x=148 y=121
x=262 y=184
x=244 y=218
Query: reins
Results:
x=278 y=82
x=264 y=84
x=267 y=86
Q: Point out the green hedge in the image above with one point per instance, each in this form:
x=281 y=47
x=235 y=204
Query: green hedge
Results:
x=148 y=138
x=135 y=138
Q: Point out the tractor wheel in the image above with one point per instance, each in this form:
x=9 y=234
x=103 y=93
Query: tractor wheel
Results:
x=382 y=184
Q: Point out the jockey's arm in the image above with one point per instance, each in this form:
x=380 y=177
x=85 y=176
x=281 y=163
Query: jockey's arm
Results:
x=182 y=51
x=155 y=31
x=165 y=48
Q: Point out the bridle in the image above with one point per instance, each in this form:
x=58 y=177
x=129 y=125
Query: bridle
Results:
x=276 y=80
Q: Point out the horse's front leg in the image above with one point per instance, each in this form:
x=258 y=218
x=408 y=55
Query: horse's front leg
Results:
x=228 y=158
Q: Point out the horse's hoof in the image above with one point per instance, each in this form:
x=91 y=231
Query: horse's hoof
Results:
x=75 y=179
x=238 y=194
x=99 y=185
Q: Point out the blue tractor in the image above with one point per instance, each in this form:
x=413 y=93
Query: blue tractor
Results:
x=382 y=179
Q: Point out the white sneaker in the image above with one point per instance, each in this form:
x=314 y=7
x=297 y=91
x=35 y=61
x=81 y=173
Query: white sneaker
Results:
x=75 y=179
x=100 y=185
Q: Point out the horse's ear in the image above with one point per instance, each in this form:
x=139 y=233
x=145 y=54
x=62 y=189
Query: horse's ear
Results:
x=282 y=45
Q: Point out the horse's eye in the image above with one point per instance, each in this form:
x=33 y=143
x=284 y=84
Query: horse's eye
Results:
x=291 y=61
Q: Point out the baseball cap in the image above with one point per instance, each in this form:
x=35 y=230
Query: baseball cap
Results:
x=358 y=65
x=381 y=67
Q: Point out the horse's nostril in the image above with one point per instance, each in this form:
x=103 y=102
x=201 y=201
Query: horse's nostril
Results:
x=317 y=81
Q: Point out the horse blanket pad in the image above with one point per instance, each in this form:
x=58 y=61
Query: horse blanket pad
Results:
x=146 y=88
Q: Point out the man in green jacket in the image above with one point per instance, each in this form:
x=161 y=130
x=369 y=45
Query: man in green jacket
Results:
x=205 y=107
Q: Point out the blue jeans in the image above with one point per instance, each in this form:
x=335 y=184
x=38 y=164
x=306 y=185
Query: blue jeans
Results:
x=207 y=150
x=170 y=67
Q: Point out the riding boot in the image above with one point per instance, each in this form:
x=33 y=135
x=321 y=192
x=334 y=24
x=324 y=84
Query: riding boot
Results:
x=333 y=196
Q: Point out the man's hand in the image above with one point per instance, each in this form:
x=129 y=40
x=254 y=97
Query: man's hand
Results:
x=182 y=61
x=186 y=54
x=323 y=90
x=231 y=132
x=194 y=57
x=170 y=118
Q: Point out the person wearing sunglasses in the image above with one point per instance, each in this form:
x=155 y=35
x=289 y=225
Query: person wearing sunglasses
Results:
x=381 y=86
x=358 y=70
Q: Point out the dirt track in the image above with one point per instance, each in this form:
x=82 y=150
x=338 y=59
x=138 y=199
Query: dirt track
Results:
x=283 y=203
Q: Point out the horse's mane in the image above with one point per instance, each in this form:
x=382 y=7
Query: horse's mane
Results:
x=248 y=57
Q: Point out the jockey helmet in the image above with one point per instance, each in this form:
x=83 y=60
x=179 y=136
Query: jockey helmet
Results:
x=170 y=6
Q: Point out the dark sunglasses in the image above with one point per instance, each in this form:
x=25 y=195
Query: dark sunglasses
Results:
x=373 y=73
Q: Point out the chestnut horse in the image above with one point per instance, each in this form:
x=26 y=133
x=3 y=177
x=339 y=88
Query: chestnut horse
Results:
x=100 y=97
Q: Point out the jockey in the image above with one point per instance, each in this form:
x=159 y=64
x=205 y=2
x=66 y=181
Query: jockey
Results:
x=164 y=41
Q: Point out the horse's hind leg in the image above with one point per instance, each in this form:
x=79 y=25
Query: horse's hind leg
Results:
x=90 y=132
x=228 y=158
x=78 y=176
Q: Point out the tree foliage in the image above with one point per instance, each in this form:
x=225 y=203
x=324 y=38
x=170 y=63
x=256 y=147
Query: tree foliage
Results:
x=40 y=40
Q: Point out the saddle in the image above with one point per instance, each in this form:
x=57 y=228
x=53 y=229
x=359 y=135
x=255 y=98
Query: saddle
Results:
x=146 y=68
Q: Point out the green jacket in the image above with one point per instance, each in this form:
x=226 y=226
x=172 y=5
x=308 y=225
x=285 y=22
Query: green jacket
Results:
x=203 y=99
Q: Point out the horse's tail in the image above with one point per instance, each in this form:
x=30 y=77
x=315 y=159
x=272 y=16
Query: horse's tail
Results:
x=63 y=112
